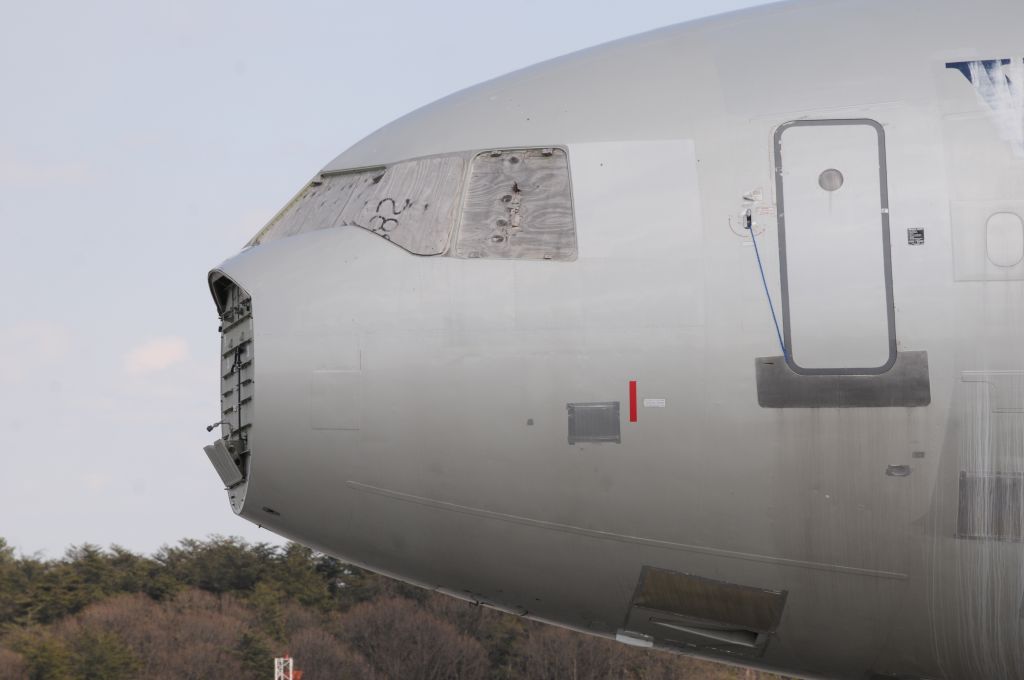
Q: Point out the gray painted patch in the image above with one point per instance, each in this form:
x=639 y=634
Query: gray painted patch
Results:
x=988 y=240
x=1005 y=239
x=1005 y=389
x=991 y=506
x=594 y=422
x=907 y=383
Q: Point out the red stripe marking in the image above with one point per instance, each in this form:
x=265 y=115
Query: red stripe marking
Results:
x=632 y=401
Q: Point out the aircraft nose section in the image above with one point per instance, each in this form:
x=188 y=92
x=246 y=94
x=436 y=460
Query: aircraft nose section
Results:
x=293 y=314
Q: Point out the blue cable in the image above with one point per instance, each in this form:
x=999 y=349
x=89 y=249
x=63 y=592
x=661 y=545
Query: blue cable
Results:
x=764 y=280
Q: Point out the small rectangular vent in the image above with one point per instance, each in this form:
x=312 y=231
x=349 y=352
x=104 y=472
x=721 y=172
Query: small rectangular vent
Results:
x=991 y=506
x=594 y=422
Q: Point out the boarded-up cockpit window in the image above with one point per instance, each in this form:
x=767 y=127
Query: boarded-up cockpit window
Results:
x=412 y=204
x=518 y=206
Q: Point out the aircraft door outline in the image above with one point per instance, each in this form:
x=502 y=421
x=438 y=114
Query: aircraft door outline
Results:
x=834 y=247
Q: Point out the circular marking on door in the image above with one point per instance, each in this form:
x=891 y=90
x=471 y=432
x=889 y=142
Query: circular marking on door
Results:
x=831 y=180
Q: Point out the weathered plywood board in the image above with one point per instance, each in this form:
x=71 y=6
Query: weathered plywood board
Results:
x=518 y=205
x=413 y=204
x=318 y=206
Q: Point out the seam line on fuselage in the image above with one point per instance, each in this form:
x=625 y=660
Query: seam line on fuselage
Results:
x=608 y=535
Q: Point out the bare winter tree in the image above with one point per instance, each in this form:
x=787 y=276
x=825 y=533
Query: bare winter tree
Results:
x=404 y=642
x=321 y=655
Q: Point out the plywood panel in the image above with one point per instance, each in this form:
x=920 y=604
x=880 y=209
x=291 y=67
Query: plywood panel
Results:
x=519 y=206
x=412 y=204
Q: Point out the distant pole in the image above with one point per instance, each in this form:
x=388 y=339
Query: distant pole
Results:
x=283 y=668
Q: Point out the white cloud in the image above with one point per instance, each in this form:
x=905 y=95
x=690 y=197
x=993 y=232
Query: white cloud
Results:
x=156 y=355
x=28 y=347
x=42 y=174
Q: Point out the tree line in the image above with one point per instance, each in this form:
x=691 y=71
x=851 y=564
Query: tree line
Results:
x=224 y=608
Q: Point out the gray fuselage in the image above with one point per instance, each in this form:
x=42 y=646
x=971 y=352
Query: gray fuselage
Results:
x=516 y=345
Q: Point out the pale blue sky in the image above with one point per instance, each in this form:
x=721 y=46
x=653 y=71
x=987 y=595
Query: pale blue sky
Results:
x=143 y=143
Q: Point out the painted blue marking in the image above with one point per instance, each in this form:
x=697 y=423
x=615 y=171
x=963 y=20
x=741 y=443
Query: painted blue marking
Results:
x=990 y=66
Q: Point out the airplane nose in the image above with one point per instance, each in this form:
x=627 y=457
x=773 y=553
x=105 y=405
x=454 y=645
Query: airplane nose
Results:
x=327 y=265
x=359 y=328
x=293 y=314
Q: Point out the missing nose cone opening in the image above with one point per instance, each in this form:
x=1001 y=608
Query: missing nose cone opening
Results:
x=230 y=455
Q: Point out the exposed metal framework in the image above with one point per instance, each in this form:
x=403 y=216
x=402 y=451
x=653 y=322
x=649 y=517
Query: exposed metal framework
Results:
x=284 y=668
